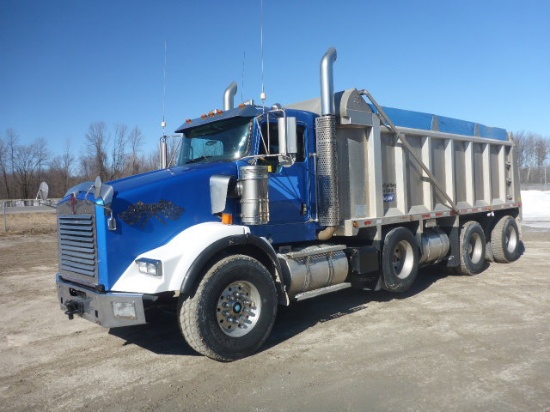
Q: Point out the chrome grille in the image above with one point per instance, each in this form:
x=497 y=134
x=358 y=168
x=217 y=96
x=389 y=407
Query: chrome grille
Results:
x=77 y=244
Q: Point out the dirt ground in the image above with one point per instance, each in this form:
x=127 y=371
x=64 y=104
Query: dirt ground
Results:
x=453 y=343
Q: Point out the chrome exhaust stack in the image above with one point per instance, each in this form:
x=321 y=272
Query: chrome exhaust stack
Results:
x=327 y=171
x=228 y=96
x=327 y=83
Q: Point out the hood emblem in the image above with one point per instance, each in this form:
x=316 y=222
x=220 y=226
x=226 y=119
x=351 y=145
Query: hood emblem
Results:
x=141 y=213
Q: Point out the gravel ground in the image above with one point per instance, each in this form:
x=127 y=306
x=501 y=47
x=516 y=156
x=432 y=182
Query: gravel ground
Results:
x=452 y=343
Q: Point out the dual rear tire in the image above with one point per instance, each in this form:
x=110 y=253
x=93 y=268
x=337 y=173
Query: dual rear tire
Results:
x=472 y=248
x=505 y=245
x=400 y=258
x=505 y=240
x=400 y=254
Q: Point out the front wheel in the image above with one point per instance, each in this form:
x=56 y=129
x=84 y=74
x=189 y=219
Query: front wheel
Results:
x=232 y=311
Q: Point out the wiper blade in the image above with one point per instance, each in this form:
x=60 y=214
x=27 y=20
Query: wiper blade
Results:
x=198 y=159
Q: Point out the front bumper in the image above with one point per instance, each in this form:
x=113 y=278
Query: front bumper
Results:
x=109 y=310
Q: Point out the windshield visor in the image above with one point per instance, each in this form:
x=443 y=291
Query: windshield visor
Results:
x=223 y=140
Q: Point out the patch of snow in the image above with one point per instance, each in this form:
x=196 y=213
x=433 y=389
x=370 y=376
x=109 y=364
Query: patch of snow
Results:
x=536 y=208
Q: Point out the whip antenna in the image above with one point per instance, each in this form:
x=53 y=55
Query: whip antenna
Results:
x=163 y=123
x=262 y=95
x=242 y=76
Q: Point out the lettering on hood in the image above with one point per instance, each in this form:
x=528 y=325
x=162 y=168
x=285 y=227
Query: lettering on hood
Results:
x=140 y=213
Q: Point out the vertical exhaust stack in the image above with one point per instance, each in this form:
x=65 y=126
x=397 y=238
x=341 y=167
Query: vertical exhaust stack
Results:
x=327 y=171
x=327 y=87
x=228 y=96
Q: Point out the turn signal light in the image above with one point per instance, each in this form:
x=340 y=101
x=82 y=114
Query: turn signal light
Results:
x=227 y=218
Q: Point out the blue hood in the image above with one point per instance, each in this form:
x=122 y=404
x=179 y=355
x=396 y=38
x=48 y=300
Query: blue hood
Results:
x=152 y=208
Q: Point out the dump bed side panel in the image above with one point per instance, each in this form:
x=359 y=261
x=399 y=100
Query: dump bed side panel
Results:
x=379 y=178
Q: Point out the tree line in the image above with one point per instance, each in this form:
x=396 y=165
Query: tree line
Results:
x=533 y=153
x=116 y=152
x=111 y=153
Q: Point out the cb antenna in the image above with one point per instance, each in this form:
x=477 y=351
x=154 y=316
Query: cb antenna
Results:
x=163 y=144
x=242 y=76
x=262 y=95
x=163 y=123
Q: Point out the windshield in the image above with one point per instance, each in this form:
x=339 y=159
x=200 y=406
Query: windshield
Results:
x=224 y=140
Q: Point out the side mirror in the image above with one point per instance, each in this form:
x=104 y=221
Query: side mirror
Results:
x=288 y=135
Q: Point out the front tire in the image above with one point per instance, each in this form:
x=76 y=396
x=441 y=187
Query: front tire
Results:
x=399 y=260
x=232 y=311
x=472 y=249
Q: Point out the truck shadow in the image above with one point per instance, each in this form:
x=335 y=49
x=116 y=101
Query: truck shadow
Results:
x=297 y=318
x=162 y=335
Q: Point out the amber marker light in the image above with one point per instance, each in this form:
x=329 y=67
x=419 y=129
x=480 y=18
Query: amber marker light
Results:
x=227 y=218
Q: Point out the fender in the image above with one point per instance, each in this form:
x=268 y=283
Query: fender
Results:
x=247 y=239
x=184 y=257
x=176 y=256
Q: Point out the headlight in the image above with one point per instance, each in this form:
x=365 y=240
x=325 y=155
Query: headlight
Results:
x=150 y=266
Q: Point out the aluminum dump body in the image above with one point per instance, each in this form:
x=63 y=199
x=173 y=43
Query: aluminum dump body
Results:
x=383 y=178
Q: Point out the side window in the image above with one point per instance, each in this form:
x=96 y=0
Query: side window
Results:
x=271 y=140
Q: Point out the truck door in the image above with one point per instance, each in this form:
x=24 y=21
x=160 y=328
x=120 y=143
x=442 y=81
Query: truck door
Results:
x=289 y=188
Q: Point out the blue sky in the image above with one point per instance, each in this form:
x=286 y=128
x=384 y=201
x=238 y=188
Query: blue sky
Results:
x=67 y=63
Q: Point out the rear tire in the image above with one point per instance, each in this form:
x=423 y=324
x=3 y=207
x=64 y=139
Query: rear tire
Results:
x=472 y=249
x=399 y=260
x=233 y=310
x=505 y=240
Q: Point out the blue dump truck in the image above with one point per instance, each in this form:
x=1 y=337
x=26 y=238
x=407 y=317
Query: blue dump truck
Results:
x=266 y=206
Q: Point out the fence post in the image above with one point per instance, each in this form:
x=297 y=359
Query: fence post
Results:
x=4 y=212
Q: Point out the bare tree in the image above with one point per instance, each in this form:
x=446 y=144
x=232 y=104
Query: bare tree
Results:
x=7 y=161
x=96 y=143
x=4 y=166
x=61 y=170
x=520 y=142
x=541 y=150
x=28 y=161
x=533 y=152
x=118 y=154
x=42 y=154
x=135 y=139
x=87 y=167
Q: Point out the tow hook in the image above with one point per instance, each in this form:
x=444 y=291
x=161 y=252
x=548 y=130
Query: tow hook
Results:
x=73 y=307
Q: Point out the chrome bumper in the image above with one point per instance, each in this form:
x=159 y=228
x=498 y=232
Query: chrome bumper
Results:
x=109 y=310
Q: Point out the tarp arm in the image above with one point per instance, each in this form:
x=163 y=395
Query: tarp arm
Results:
x=387 y=121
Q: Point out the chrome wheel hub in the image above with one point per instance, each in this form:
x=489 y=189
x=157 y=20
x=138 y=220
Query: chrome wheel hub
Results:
x=403 y=259
x=238 y=308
